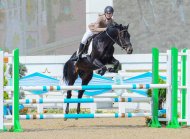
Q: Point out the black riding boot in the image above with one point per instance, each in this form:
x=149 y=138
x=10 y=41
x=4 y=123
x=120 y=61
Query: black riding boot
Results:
x=80 y=52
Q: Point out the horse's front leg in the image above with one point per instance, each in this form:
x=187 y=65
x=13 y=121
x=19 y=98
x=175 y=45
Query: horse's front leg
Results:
x=80 y=94
x=101 y=66
x=115 y=63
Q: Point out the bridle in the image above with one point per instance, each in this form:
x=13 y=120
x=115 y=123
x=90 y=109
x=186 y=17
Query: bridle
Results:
x=119 y=37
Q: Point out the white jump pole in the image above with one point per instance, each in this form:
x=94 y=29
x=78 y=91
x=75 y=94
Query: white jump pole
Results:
x=84 y=116
x=89 y=87
x=1 y=91
x=168 y=90
x=81 y=100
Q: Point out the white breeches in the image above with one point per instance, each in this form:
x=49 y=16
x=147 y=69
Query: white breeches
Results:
x=87 y=34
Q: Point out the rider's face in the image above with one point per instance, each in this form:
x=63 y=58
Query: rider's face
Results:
x=109 y=15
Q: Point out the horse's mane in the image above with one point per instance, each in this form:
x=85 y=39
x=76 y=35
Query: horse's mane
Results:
x=113 y=25
x=116 y=25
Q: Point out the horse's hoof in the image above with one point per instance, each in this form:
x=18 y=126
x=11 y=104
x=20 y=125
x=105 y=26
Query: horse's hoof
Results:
x=99 y=71
x=102 y=73
x=111 y=70
x=65 y=119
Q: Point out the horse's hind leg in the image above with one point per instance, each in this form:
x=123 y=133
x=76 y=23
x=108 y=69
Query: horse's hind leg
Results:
x=71 y=82
x=86 y=77
x=68 y=97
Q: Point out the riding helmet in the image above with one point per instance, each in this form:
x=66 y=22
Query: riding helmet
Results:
x=109 y=9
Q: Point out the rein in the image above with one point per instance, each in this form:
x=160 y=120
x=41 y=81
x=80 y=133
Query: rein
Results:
x=115 y=41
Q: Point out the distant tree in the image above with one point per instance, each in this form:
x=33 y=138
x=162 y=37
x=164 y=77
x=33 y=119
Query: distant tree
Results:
x=22 y=70
x=5 y=82
x=162 y=94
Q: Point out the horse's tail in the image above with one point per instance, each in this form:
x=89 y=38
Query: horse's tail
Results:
x=68 y=70
x=65 y=72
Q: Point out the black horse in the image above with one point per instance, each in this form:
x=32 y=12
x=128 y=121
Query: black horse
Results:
x=102 y=54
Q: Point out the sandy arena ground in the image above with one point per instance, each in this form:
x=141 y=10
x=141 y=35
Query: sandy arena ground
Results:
x=133 y=128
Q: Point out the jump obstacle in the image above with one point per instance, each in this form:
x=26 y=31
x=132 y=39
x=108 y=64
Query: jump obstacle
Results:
x=171 y=86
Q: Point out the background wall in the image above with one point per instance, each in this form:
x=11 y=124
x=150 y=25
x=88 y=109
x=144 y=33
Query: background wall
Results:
x=155 y=23
x=42 y=27
x=55 y=27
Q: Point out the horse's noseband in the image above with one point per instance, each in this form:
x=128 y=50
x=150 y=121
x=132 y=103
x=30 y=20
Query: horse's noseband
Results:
x=119 y=38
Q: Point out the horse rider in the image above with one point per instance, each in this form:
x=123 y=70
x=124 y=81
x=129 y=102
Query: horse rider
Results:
x=94 y=28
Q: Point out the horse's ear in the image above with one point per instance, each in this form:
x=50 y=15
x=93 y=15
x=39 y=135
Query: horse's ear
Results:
x=121 y=26
x=127 y=26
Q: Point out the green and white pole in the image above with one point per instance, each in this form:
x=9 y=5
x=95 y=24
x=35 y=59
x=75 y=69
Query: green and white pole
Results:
x=188 y=87
x=173 y=123
x=183 y=83
x=155 y=80
x=15 y=76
